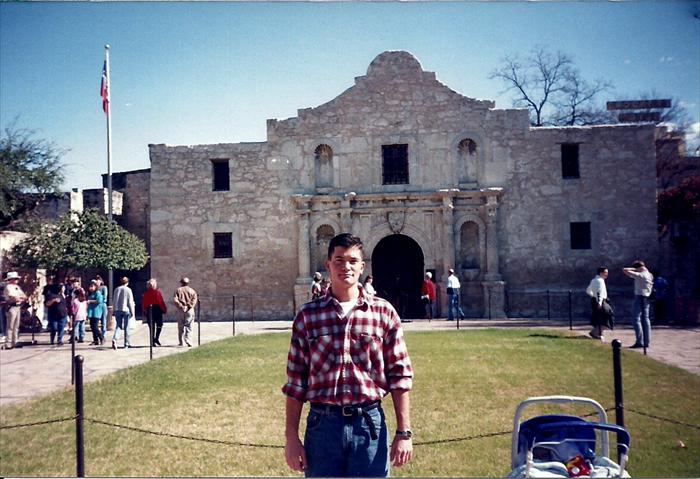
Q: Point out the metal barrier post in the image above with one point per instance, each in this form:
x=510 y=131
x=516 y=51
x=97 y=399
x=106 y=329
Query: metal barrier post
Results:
x=72 y=355
x=617 y=376
x=489 y=290
x=199 y=323
x=571 y=320
x=549 y=316
x=79 y=442
x=233 y=313
x=252 y=308
x=151 y=334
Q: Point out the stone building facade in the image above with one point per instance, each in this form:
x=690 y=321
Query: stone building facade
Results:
x=429 y=178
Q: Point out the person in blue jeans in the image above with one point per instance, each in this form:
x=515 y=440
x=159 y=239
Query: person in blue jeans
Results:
x=346 y=353
x=643 y=284
x=57 y=310
x=124 y=309
x=453 y=287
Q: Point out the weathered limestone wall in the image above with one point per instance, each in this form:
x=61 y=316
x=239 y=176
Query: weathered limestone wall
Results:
x=615 y=193
x=499 y=213
x=185 y=213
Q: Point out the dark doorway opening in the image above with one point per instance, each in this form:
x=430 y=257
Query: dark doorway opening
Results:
x=397 y=267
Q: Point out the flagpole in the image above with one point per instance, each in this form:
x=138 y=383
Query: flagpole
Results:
x=110 y=276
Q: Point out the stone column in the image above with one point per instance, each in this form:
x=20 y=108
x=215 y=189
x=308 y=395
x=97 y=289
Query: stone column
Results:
x=494 y=288
x=448 y=247
x=303 y=281
x=492 y=267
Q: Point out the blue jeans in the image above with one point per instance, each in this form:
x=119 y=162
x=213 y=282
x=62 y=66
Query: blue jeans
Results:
x=453 y=304
x=56 y=327
x=122 y=319
x=79 y=330
x=339 y=446
x=103 y=320
x=642 y=325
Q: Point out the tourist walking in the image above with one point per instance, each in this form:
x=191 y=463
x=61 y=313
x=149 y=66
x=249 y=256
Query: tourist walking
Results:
x=601 y=312
x=345 y=377
x=427 y=291
x=95 y=306
x=79 y=309
x=659 y=294
x=57 y=309
x=643 y=285
x=104 y=291
x=124 y=309
x=186 y=300
x=152 y=297
x=369 y=285
x=316 y=286
x=14 y=298
x=453 y=286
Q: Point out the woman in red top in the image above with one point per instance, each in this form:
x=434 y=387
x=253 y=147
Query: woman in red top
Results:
x=427 y=292
x=153 y=297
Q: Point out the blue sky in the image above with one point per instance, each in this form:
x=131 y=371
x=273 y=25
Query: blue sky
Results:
x=191 y=73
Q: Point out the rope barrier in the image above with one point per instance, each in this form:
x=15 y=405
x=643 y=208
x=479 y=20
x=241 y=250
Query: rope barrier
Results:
x=672 y=421
x=39 y=423
x=189 y=438
x=275 y=446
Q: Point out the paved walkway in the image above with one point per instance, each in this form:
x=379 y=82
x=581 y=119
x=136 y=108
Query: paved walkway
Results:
x=38 y=369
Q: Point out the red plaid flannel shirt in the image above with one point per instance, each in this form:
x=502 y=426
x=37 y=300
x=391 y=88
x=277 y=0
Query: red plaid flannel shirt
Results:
x=347 y=360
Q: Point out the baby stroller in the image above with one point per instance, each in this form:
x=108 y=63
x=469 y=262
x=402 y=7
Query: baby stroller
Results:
x=558 y=445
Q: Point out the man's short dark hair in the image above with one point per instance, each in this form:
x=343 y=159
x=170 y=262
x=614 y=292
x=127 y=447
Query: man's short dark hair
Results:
x=344 y=240
x=638 y=264
x=602 y=269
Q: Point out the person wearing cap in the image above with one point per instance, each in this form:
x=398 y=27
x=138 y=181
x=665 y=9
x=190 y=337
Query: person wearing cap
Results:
x=185 y=299
x=453 y=286
x=427 y=292
x=346 y=352
x=14 y=297
x=124 y=308
x=643 y=285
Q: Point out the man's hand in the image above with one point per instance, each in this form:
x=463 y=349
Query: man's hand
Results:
x=294 y=454
x=401 y=451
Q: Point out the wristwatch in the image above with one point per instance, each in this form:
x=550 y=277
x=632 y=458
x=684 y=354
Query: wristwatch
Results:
x=407 y=433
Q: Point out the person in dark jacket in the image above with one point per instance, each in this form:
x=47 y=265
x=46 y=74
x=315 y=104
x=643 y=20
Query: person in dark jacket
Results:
x=57 y=310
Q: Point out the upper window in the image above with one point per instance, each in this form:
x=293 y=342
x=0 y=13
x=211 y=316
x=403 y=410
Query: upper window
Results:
x=395 y=164
x=569 y=161
x=220 y=175
x=223 y=245
x=580 y=235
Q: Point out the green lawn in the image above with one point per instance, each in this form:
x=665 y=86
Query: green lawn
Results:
x=467 y=383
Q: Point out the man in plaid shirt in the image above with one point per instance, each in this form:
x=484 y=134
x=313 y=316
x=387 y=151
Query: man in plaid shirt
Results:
x=347 y=352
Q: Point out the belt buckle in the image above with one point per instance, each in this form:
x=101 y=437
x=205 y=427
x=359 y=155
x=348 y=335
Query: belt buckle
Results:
x=348 y=411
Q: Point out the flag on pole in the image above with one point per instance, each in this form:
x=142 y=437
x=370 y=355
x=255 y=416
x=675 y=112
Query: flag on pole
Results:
x=104 y=88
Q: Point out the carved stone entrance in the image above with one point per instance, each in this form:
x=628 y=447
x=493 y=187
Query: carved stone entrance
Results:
x=397 y=268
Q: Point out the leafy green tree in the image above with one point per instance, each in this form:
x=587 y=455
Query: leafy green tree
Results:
x=30 y=169
x=78 y=241
x=681 y=203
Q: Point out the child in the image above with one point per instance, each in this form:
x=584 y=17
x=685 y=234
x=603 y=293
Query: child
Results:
x=79 y=307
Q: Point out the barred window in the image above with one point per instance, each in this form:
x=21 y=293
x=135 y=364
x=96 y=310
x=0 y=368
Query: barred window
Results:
x=223 y=245
x=395 y=164
x=580 y=235
x=569 y=161
x=220 y=175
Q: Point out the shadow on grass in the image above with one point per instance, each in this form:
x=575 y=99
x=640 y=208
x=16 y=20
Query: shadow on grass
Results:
x=554 y=336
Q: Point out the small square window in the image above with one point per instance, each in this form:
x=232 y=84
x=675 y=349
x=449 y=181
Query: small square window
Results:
x=220 y=175
x=223 y=245
x=394 y=164
x=569 y=161
x=580 y=235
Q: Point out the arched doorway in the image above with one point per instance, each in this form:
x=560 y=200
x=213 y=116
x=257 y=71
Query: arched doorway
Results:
x=397 y=267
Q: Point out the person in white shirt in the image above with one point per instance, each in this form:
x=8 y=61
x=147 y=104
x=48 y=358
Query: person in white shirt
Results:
x=599 y=296
x=643 y=284
x=453 y=286
x=124 y=308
